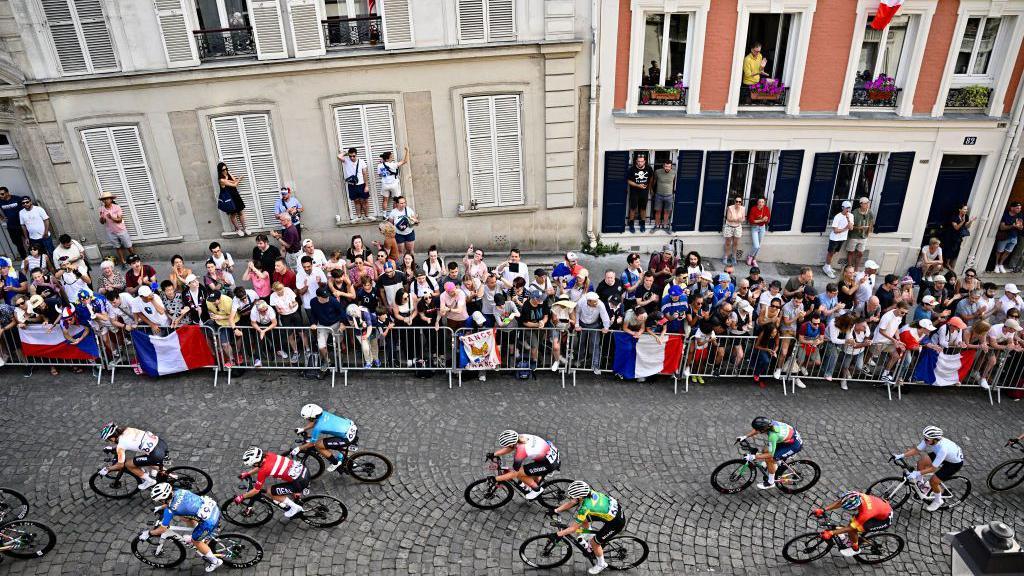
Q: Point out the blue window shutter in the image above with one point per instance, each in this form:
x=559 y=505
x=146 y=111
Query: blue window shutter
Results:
x=613 y=216
x=787 y=182
x=688 y=169
x=819 y=194
x=716 y=183
x=894 y=191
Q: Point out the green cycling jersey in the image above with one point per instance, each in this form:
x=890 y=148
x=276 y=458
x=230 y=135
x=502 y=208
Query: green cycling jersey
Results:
x=779 y=433
x=597 y=506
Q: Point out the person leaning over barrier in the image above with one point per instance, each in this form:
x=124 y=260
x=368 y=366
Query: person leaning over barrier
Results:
x=327 y=316
x=592 y=315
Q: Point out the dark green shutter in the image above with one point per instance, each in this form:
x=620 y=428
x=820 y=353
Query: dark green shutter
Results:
x=716 y=184
x=894 y=191
x=787 y=183
x=688 y=171
x=613 y=215
x=819 y=193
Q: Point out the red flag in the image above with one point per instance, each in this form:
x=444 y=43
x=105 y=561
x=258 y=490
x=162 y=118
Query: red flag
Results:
x=371 y=6
x=886 y=10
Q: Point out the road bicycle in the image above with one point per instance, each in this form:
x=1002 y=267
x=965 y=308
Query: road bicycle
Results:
x=168 y=550
x=621 y=552
x=1009 y=474
x=13 y=505
x=898 y=489
x=26 y=539
x=318 y=510
x=875 y=548
x=123 y=484
x=365 y=466
x=736 y=475
x=488 y=494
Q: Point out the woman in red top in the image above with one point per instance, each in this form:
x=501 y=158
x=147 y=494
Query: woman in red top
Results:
x=759 y=216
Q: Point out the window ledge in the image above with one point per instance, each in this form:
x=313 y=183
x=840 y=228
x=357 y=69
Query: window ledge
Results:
x=248 y=232
x=150 y=241
x=500 y=210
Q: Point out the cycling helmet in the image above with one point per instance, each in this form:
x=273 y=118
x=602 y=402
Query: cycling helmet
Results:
x=508 y=438
x=761 y=423
x=311 y=411
x=252 y=456
x=932 y=433
x=108 y=431
x=850 y=500
x=161 y=492
x=578 y=489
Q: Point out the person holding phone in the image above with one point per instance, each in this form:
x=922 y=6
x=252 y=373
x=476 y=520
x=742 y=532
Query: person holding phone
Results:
x=513 y=268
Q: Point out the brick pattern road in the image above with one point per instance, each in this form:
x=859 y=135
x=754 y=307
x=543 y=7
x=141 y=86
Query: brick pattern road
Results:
x=651 y=449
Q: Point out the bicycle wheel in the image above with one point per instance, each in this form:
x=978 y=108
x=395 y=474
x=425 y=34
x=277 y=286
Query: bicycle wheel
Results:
x=313 y=462
x=797 y=475
x=369 y=467
x=732 y=476
x=955 y=491
x=545 y=551
x=892 y=489
x=486 y=494
x=159 y=553
x=806 y=548
x=27 y=538
x=625 y=552
x=192 y=479
x=13 y=506
x=237 y=550
x=119 y=485
x=554 y=493
x=323 y=511
x=1006 y=476
x=878 y=548
x=249 y=513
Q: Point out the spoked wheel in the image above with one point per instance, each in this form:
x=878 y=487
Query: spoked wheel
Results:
x=255 y=512
x=369 y=467
x=625 y=552
x=323 y=511
x=892 y=489
x=554 y=493
x=313 y=462
x=956 y=490
x=878 y=548
x=733 y=476
x=118 y=485
x=795 y=476
x=28 y=538
x=159 y=553
x=486 y=494
x=1007 y=475
x=806 y=548
x=192 y=479
x=545 y=551
x=13 y=506
x=237 y=550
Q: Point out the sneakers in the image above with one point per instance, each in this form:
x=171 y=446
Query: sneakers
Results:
x=282 y=354
x=147 y=483
x=333 y=467
x=828 y=271
x=632 y=230
x=999 y=269
x=842 y=385
x=984 y=384
x=754 y=262
x=850 y=552
x=828 y=377
x=295 y=358
x=533 y=494
x=643 y=227
x=698 y=379
x=935 y=504
x=765 y=485
x=803 y=371
x=240 y=233
x=212 y=563
x=554 y=366
x=482 y=377
x=686 y=373
x=777 y=374
x=750 y=260
x=257 y=363
x=598 y=567
x=886 y=377
x=799 y=383
x=597 y=371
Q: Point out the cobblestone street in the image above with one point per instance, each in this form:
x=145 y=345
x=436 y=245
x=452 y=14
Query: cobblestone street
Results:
x=651 y=449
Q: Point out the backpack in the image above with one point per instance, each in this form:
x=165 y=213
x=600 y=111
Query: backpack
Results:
x=523 y=371
x=226 y=201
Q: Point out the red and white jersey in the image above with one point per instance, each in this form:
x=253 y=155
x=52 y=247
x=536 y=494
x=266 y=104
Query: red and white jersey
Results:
x=531 y=448
x=277 y=466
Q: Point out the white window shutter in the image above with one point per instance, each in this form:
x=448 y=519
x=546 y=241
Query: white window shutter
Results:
x=480 y=145
x=176 y=32
x=501 y=20
x=508 y=146
x=80 y=36
x=470 y=14
x=370 y=129
x=268 y=27
x=95 y=34
x=227 y=133
x=62 y=28
x=246 y=145
x=380 y=131
x=397 y=20
x=307 y=32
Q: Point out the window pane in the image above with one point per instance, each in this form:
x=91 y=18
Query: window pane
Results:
x=759 y=182
x=894 y=45
x=963 y=58
x=866 y=178
x=738 y=175
x=844 y=181
x=653 y=35
x=988 y=41
x=675 y=62
x=869 y=54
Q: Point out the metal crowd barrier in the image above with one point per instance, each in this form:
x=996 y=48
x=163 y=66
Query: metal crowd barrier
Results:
x=524 y=349
x=421 y=349
x=118 y=351
x=283 y=348
x=729 y=355
x=593 y=350
x=13 y=354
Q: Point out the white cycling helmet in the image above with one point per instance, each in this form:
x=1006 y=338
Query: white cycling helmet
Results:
x=932 y=433
x=252 y=456
x=108 y=431
x=578 y=489
x=508 y=438
x=161 y=492
x=311 y=411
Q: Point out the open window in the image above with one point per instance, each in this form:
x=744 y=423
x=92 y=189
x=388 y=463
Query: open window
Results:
x=224 y=29
x=665 y=75
x=752 y=175
x=881 y=69
x=860 y=175
x=768 y=66
x=973 y=73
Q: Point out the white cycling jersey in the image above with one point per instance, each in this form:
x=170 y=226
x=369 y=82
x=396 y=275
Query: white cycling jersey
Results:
x=135 y=440
x=944 y=451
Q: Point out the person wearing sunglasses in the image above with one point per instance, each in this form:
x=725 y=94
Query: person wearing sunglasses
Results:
x=886 y=338
x=733 y=231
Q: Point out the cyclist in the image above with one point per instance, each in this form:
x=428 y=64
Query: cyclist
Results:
x=152 y=451
x=340 y=432
x=201 y=512
x=270 y=465
x=534 y=458
x=783 y=442
x=592 y=505
x=940 y=457
x=873 y=515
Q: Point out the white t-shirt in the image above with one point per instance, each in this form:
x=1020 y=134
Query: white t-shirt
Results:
x=285 y=303
x=33 y=221
x=60 y=254
x=508 y=276
x=401 y=220
x=865 y=290
x=840 y=221
x=319 y=260
x=996 y=333
x=147 y=309
x=765 y=300
x=890 y=324
x=225 y=258
x=350 y=168
x=927 y=255
x=262 y=319
x=387 y=177
x=945 y=450
x=311 y=282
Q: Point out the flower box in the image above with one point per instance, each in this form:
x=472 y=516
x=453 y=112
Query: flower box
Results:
x=655 y=95
x=765 y=97
x=879 y=94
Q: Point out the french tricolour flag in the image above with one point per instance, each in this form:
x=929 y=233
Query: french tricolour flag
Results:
x=184 y=349
x=886 y=10
x=646 y=357
x=37 y=342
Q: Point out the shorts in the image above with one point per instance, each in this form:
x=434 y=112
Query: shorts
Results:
x=732 y=231
x=802 y=355
x=638 y=199
x=392 y=190
x=357 y=191
x=663 y=202
x=340 y=443
x=291 y=320
x=786 y=450
x=225 y=333
x=120 y=239
x=556 y=334
x=295 y=486
x=610 y=528
x=542 y=467
x=410 y=237
x=948 y=469
x=1006 y=245
x=207 y=528
x=701 y=354
x=531 y=339
x=323 y=332
x=835 y=246
x=874 y=525
x=155 y=457
x=857 y=245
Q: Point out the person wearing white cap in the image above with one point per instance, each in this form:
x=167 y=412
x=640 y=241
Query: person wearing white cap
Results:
x=912 y=337
x=1011 y=299
x=562 y=319
x=842 y=223
x=591 y=316
x=999 y=337
x=863 y=221
x=926 y=309
x=149 y=310
x=866 y=281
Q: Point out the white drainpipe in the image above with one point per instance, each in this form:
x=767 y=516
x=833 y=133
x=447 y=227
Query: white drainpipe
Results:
x=595 y=90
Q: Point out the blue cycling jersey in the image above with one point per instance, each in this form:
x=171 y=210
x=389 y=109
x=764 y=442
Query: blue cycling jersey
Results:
x=331 y=424
x=189 y=505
